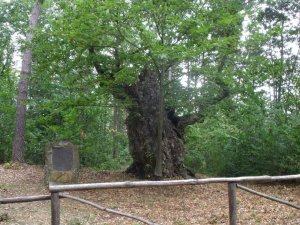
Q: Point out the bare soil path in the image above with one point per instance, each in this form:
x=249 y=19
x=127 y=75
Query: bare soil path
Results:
x=185 y=205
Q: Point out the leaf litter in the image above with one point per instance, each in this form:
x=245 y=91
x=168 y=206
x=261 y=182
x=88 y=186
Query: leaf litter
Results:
x=181 y=205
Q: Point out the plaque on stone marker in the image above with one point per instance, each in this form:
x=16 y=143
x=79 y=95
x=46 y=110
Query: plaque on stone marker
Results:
x=62 y=158
x=62 y=163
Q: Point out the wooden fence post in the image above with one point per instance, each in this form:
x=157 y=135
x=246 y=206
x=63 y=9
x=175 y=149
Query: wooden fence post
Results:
x=55 y=209
x=232 y=203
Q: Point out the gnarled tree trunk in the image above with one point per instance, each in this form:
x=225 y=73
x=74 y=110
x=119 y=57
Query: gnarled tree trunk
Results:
x=142 y=127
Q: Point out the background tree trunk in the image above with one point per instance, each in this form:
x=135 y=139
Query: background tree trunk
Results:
x=142 y=123
x=116 y=129
x=19 y=140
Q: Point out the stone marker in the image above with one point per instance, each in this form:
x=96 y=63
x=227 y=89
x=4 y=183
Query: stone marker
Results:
x=62 y=163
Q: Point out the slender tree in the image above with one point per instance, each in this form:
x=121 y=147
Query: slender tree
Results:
x=19 y=140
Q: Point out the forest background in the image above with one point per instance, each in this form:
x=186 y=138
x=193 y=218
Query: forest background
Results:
x=254 y=131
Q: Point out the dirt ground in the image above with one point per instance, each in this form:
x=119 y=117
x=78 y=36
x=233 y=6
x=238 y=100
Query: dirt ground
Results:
x=184 y=205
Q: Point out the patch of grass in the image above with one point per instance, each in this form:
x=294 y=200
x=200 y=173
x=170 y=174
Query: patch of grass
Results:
x=3 y=187
x=8 y=165
x=114 y=206
x=75 y=221
x=181 y=222
x=8 y=187
x=4 y=217
x=255 y=217
x=12 y=165
x=253 y=214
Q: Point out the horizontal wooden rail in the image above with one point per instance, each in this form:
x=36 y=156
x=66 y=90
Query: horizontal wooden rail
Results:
x=25 y=199
x=268 y=196
x=131 y=184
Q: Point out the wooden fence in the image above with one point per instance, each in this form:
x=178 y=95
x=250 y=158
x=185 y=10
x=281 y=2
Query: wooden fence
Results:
x=55 y=193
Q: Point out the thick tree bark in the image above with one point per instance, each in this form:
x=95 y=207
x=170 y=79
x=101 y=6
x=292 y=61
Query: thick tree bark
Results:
x=142 y=127
x=19 y=140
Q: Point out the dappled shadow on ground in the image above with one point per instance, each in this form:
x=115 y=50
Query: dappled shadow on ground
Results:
x=184 y=205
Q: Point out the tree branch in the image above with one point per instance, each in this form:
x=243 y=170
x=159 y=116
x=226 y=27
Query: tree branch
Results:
x=96 y=64
x=189 y=119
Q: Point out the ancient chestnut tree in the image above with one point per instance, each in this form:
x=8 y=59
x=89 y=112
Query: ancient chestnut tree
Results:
x=138 y=52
